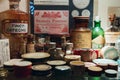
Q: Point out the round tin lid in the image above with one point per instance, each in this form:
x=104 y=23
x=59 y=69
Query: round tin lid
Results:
x=42 y=67
x=62 y=68
x=37 y=55
x=72 y=57
x=12 y=62
x=111 y=71
x=77 y=63
x=23 y=63
x=94 y=68
x=89 y=64
x=56 y=62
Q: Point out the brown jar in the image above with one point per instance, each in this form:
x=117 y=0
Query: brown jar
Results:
x=81 y=34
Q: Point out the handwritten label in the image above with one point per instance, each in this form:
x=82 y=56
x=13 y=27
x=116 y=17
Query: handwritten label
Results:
x=16 y=27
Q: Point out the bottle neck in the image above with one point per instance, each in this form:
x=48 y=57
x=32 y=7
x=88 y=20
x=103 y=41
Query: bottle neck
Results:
x=14 y=5
x=97 y=24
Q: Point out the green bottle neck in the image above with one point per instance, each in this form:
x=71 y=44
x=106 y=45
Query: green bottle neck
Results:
x=97 y=24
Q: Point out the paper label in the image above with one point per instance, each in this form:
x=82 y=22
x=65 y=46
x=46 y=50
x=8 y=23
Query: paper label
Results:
x=4 y=51
x=51 y=21
x=16 y=27
x=98 y=42
x=81 y=39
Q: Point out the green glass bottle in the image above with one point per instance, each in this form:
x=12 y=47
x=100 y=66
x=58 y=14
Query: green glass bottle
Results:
x=98 y=39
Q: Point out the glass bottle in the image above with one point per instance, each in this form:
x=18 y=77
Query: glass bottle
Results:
x=69 y=49
x=63 y=43
x=98 y=39
x=14 y=24
x=59 y=55
x=47 y=42
x=30 y=43
x=81 y=34
x=52 y=50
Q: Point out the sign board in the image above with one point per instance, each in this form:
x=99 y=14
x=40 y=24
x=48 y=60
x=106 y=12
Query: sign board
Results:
x=51 y=21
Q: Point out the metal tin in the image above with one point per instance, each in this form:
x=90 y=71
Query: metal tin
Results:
x=22 y=69
x=111 y=73
x=89 y=64
x=41 y=70
x=9 y=65
x=69 y=58
x=113 y=66
x=63 y=72
x=56 y=62
x=86 y=54
x=78 y=68
x=104 y=66
x=94 y=71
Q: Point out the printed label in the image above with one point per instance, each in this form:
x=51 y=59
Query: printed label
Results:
x=30 y=48
x=98 y=42
x=81 y=39
x=51 y=21
x=16 y=27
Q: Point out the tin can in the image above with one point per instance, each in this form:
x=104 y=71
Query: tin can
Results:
x=22 y=69
x=78 y=68
x=63 y=72
x=41 y=70
x=86 y=54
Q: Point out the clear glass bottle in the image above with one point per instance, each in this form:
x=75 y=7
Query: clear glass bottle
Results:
x=14 y=25
x=98 y=39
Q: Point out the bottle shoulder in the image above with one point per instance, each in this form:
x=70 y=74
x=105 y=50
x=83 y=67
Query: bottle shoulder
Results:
x=98 y=29
x=14 y=14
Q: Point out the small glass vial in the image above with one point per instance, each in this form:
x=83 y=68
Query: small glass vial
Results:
x=69 y=48
x=30 y=44
x=52 y=49
x=59 y=54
